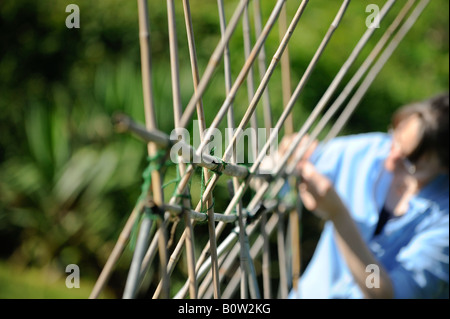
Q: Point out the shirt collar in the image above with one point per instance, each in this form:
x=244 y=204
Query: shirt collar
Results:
x=439 y=184
x=430 y=194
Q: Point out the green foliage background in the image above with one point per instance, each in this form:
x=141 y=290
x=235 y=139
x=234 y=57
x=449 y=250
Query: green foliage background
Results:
x=68 y=181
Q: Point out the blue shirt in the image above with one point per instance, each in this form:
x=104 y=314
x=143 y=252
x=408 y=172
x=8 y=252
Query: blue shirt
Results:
x=413 y=248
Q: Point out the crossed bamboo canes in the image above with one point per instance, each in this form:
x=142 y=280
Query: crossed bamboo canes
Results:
x=145 y=66
x=254 y=102
x=225 y=107
x=382 y=60
x=252 y=106
x=226 y=164
x=384 y=57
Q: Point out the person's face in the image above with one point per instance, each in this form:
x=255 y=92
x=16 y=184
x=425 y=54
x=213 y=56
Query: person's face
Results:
x=405 y=139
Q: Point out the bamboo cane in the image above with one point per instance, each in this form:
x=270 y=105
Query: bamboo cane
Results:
x=294 y=223
x=152 y=149
x=268 y=124
x=331 y=89
x=282 y=255
x=285 y=71
x=262 y=86
x=289 y=129
x=123 y=124
x=186 y=177
x=132 y=282
x=212 y=64
x=346 y=114
x=206 y=288
x=190 y=250
x=248 y=276
x=287 y=110
x=262 y=67
x=366 y=86
x=243 y=73
x=200 y=114
x=228 y=242
x=352 y=83
x=358 y=97
x=262 y=190
x=201 y=128
x=351 y=106
x=344 y=69
x=148 y=258
x=383 y=59
x=116 y=252
x=225 y=266
x=238 y=195
x=386 y=8
x=359 y=94
x=178 y=248
x=176 y=210
x=230 y=118
x=297 y=91
x=245 y=184
x=181 y=240
x=231 y=125
x=258 y=245
x=250 y=80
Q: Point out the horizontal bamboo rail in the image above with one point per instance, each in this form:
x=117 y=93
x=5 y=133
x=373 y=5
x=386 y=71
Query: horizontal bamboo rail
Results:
x=124 y=123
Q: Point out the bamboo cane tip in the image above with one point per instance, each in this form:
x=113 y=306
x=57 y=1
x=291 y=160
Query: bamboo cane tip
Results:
x=121 y=122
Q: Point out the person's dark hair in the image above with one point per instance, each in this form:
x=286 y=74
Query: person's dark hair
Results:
x=434 y=129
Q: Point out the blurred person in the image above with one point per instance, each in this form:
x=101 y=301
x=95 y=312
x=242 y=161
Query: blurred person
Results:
x=385 y=199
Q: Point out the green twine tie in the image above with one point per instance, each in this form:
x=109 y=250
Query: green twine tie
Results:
x=154 y=163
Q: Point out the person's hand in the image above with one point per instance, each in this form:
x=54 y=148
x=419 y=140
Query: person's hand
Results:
x=287 y=141
x=317 y=192
x=268 y=163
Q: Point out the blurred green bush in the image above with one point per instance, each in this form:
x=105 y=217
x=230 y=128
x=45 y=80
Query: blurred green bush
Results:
x=68 y=182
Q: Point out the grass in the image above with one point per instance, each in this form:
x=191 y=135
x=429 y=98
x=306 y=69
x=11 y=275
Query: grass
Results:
x=36 y=283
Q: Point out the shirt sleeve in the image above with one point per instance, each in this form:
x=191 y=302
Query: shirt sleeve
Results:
x=348 y=151
x=422 y=269
x=327 y=157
